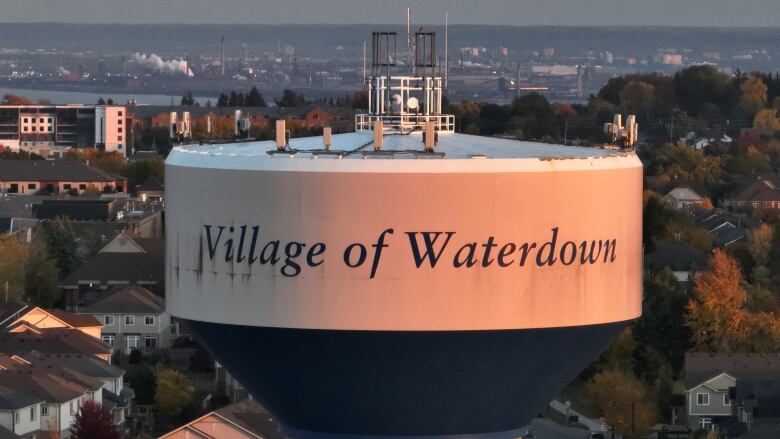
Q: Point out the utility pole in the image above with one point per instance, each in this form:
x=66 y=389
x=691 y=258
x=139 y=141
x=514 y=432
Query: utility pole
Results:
x=364 y=63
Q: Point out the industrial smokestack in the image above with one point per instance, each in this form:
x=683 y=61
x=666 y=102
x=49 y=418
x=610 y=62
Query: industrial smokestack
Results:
x=222 y=58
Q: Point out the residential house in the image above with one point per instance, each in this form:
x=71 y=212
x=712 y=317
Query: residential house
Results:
x=115 y=395
x=732 y=391
x=133 y=318
x=683 y=198
x=151 y=190
x=242 y=420
x=726 y=228
x=52 y=318
x=761 y=193
x=32 y=177
x=19 y=414
x=679 y=256
x=23 y=338
x=125 y=260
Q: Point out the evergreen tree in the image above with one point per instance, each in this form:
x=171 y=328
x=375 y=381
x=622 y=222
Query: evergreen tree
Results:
x=222 y=101
x=254 y=98
x=187 y=99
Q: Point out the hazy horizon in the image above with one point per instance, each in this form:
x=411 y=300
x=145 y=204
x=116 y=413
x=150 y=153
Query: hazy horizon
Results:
x=696 y=13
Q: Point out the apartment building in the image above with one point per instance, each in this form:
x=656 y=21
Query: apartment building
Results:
x=49 y=130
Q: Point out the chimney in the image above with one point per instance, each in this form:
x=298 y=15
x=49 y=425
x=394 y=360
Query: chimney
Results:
x=429 y=136
x=327 y=138
x=379 y=129
x=281 y=135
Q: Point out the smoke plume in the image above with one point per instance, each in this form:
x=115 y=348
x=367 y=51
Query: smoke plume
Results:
x=155 y=62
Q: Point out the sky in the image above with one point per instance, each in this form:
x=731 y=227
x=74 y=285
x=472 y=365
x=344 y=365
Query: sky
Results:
x=511 y=12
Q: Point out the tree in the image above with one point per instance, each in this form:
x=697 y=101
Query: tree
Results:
x=61 y=244
x=698 y=85
x=92 y=421
x=40 y=275
x=142 y=379
x=290 y=98
x=624 y=402
x=753 y=92
x=715 y=312
x=13 y=256
x=637 y=97
x=187 y=99
x=173 y=393
x=11 y=99
x=662 y=325
x=760 y=242
x=766 y=119
x=222 y=101
x=101 y=101
x=254 y=98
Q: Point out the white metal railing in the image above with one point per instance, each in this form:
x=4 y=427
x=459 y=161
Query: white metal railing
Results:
x=405 y=122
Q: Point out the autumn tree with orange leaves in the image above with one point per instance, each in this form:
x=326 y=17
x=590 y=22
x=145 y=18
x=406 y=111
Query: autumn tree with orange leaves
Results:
x=717 y=314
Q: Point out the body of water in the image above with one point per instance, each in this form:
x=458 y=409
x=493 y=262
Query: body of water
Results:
x=77 y=97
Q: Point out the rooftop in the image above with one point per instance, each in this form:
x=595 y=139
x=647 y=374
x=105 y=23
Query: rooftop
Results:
x=127 y=300
x=396 y=147
x=52 y=170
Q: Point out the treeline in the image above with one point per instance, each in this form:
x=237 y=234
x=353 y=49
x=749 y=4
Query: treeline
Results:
x=289 y=98
x=700 y=99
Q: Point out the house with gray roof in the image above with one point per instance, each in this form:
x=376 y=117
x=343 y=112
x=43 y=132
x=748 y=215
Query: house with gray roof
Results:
x=731 y=392
x=683 y=198
x=133 y=318
x=19 y=413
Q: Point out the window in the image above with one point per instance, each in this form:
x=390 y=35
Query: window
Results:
x=119 y=122
x=40 y=129
x=41 y=120
x=83 y=186
x=119 y=130
x=119 y=113
x=24 y=129
x=66 y=186
x=44 y=410
x=150 y=341
x=26 y=120
x=726 y=399
x=17 y=417
x=119 y=138
x=132 y=342
x=49 y=120
x=129 y=320
x=149 y=320
x=705 y=423
x=108 y=339
x=30 y=185
x=108 y=320
x=702 y=399
x=49 y=129
x=33 y=413
x=13 y=189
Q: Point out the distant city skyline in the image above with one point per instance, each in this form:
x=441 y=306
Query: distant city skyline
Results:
x=749 y=13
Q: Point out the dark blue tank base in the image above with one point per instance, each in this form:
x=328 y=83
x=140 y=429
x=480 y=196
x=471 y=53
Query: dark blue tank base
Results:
x=407 y=383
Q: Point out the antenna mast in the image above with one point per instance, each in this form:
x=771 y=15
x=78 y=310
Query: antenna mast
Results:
x=446 y=51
